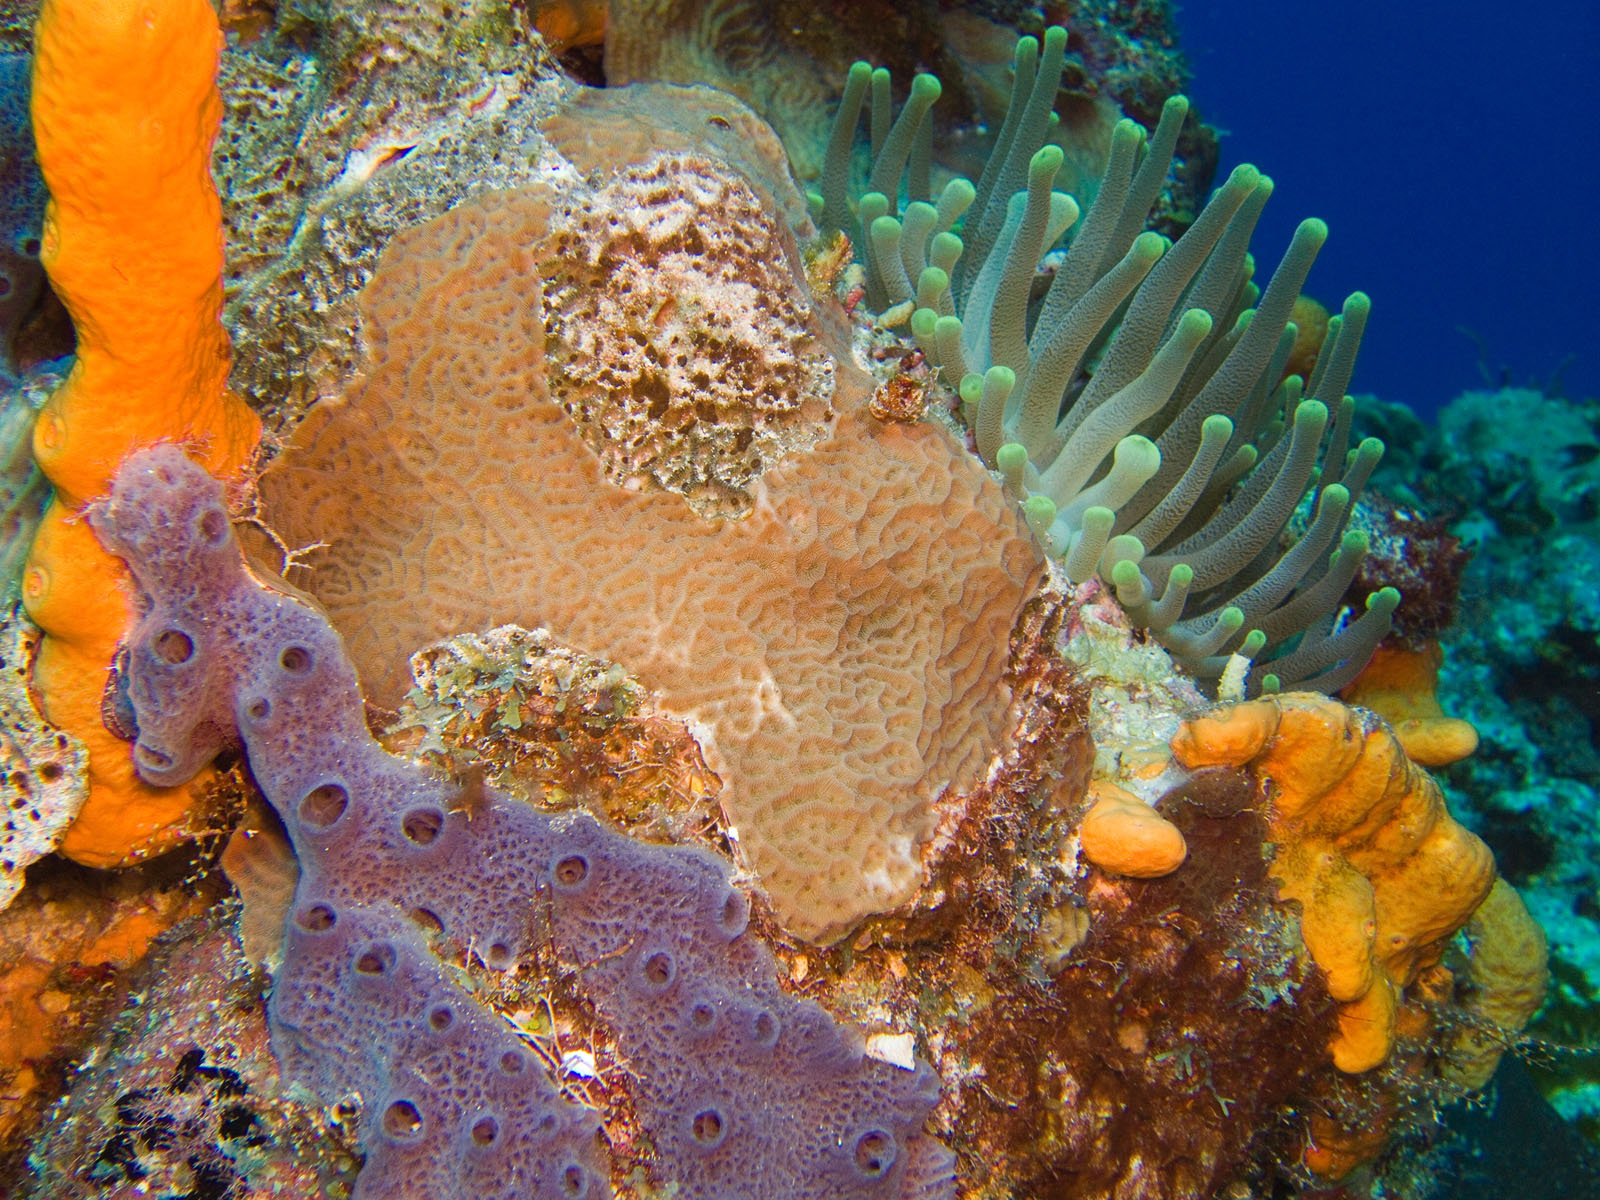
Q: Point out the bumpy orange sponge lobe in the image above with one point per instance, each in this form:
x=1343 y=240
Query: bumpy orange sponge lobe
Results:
x=1400 y=684
x=1383 y=874
x=1509 y=971
x=1122 y=835
x=125 y=109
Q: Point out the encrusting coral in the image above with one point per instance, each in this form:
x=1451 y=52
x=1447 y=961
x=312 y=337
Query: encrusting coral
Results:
x=41 y=768
x=853 y=627
x=1383 y=874
x=125 y=111
x=728 y=376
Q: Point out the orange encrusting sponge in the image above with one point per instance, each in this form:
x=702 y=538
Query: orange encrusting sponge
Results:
x=1383 y=873
x=125 y=110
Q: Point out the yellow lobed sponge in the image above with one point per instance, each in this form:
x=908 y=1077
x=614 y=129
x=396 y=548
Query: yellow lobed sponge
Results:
x=1509 y=974
x=1400 y=685
x=1383 y=874
x=1123 y=835
x=125 y=109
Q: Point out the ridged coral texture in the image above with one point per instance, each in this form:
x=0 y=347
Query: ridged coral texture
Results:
x=842 y=648
x=744 y=1089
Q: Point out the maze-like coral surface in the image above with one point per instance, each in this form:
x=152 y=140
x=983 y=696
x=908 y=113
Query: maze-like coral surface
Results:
x=843 y=647
x=746 y=1091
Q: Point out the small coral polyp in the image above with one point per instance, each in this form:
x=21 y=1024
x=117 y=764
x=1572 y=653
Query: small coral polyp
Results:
x=743 y=1089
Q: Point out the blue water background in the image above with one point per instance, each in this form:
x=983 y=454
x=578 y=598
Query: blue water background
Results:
x=1453 y=150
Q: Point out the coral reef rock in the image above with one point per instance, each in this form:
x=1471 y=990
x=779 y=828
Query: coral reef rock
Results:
x=734 y=1080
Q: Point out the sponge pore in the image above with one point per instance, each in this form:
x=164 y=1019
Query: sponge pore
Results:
x=745 y=1091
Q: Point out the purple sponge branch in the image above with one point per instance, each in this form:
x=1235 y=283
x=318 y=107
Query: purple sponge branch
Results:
x=744 y=1090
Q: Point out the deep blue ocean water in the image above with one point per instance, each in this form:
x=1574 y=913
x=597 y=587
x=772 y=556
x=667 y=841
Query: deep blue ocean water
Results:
x=1453 y=150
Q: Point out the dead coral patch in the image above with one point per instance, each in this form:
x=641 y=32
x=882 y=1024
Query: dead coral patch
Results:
x=183 y=1096
x=683 y=348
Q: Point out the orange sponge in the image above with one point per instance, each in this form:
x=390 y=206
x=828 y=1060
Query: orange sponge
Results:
x=1509 y=974
x=1123 y=835
x=1383 y=874
x=568 y=24
x=1399 y=684
x=125 y=109
x=1311 y=325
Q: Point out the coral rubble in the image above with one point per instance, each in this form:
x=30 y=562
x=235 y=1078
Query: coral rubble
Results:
x=185 y=1098
x=68 y=947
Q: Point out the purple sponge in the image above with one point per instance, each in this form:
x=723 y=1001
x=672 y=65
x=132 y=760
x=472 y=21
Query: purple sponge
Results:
x=745 y=1091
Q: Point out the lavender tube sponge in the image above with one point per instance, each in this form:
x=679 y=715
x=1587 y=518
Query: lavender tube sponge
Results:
x=744 y=1090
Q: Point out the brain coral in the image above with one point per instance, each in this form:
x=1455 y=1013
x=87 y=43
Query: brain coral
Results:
x=842 y=648
x=745 y=1090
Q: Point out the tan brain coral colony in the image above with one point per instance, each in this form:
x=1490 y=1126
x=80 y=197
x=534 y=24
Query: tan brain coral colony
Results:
x=734 y=1079
x=853 y=627
x=578 y=388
